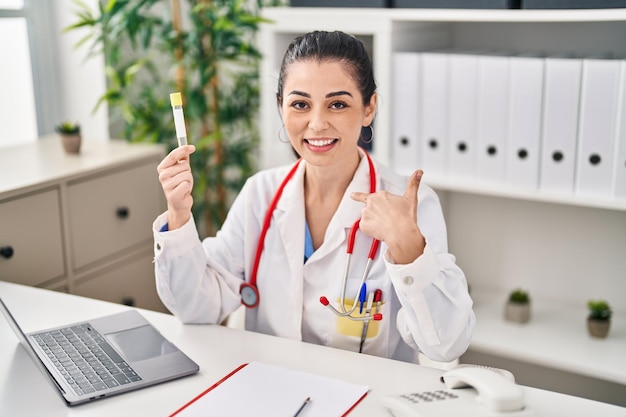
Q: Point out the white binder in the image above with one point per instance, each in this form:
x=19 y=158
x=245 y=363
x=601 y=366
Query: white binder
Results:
x=434 y=112
x=525 y=112
x=619 y=165
x=493 y=107
x=406 y=149
x=462 y=120
x=597 y=126
x=560 y=124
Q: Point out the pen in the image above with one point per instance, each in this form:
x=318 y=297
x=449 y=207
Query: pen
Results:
x=306 y=401
x=366 y=324
x=362 y=297
x=176 y=101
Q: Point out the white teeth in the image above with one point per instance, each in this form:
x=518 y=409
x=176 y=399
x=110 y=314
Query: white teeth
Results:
x=320 y=142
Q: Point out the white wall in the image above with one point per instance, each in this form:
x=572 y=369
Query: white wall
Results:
x=81 y=80
x=558 y=252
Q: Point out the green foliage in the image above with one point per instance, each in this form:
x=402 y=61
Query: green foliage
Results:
x=599 y=310
x=209 y=56
x=67 y=128
x=519 y=296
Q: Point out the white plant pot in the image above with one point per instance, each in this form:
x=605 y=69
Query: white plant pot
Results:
x=517 y=312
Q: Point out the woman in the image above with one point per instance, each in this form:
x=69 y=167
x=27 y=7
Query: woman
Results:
x=326 y=96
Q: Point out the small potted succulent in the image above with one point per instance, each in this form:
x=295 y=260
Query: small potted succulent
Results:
x=599 y=318
x=517 y=307
x=70 y=136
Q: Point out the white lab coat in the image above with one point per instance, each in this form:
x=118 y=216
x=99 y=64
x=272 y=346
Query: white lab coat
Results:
x=426 y=306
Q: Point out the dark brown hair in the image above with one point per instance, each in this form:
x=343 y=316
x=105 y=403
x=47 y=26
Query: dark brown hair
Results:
x=331 y=46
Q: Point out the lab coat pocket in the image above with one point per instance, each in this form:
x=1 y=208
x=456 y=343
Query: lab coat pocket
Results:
x=349 y=327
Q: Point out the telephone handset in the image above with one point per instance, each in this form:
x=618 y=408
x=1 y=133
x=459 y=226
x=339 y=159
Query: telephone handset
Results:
x=486 y=392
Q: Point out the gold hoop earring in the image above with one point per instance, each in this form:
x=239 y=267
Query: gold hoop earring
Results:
x=282 y=128
x=364 y=138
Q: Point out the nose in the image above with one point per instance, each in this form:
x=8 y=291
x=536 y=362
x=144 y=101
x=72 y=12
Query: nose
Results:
x=318 y=121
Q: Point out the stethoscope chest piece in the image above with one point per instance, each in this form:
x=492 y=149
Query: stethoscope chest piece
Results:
x=249 y=295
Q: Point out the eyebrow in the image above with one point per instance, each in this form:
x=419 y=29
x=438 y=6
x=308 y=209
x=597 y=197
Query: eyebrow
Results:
x=329 y=95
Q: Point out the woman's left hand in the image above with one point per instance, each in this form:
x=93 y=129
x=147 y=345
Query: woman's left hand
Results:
x=392 y=219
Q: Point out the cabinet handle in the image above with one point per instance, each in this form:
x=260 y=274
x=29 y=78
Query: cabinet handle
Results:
x=128 y=301
x=122 y=212
x=6 y=252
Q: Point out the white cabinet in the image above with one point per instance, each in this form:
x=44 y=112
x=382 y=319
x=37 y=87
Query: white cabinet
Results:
x=564 y=249
x=119 y=214
x=81 y=223
x=31 y=240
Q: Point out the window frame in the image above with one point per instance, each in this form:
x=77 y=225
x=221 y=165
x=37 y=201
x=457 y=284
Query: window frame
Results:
x=39 y=17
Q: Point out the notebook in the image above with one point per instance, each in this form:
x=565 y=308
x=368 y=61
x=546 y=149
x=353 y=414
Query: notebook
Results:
x=270 y=390
x=105 y=356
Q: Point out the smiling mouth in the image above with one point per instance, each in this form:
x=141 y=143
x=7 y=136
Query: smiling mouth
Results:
x=320 y=142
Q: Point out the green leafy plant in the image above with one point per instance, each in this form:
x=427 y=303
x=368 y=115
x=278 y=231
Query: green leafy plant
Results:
x=599 y=310
x=519 y=296
x=67 y=128
x=208 y=55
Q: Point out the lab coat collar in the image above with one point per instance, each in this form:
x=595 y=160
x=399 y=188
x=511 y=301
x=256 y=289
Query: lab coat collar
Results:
x=348 y=212
x=289 y=213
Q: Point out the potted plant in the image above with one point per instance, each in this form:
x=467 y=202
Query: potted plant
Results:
x=69 y=132
x=204 y=49
x=517 y=308
x=599 y=318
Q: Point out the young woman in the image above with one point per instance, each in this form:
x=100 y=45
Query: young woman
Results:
x=284 y=244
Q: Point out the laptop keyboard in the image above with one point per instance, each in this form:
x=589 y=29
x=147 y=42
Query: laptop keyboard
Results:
x=85 y=359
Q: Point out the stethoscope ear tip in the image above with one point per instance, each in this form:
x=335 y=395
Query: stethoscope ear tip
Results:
x=324 y=300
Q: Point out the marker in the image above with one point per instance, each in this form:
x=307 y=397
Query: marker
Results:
x=179 y=119
x=378 y=296
x=306 y=401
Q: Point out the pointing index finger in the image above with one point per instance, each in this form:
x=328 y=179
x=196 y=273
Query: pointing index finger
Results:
x=362 y=197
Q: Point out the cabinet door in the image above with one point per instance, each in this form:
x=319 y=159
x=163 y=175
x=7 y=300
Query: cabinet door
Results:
x=111 y=213
x=130 y=282
x=31 y=247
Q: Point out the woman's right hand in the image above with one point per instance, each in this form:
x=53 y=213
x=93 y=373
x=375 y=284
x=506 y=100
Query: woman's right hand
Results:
x=177 y=183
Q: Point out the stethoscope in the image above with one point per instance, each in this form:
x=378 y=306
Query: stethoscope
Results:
x=249 y=291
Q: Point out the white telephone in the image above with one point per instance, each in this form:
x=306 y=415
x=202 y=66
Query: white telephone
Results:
x=486 y=392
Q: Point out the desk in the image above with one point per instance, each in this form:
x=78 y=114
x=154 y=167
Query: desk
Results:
x=218 y=350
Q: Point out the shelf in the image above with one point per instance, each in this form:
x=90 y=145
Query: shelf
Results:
x=555 y=337
x=505 y=191
x=452 y=15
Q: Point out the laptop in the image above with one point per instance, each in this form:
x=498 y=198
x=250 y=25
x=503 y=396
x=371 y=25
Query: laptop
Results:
x=105 y=356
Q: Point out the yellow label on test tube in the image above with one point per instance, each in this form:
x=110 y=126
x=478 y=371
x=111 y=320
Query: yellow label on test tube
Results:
x=179 y=118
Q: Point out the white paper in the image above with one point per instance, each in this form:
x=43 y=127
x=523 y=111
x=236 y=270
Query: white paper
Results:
x=264 y=390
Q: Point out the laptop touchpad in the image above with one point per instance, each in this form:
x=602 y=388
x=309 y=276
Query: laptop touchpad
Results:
x=140 y=343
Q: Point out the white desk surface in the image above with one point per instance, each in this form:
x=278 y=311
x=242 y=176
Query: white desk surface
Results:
x=24 y=391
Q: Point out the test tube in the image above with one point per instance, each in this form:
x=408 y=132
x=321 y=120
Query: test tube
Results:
x=179 y=119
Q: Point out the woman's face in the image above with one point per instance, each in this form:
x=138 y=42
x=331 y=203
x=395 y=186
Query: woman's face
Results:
x=323 y=111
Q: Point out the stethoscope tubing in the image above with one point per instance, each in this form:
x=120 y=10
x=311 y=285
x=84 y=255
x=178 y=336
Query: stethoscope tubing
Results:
x=268 y=220
x=250 y=289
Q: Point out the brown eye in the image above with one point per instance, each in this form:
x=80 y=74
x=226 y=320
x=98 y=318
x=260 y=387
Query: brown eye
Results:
x=299 y=105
